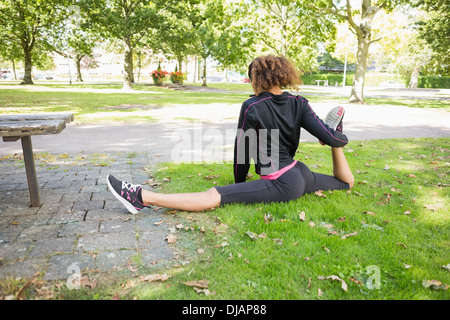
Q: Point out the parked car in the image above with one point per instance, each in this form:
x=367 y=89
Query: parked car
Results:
x=392 y=84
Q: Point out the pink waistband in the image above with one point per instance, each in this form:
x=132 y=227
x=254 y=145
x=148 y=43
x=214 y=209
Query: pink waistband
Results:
x=277 y=174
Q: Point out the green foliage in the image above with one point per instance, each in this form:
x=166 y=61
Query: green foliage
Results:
x=434 y=82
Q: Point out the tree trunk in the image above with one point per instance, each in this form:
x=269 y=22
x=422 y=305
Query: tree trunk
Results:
x=14 y=69
x=78 y=58
x=128 y=66
x=357 y=94
x=28 y=66
x=204 y=73
x=414 y=81
x=180 y=63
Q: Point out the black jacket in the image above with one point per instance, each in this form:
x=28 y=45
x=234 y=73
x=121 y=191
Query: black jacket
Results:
x=269 y=132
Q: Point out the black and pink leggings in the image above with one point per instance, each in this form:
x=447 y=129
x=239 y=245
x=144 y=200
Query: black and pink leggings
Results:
x=289 y=185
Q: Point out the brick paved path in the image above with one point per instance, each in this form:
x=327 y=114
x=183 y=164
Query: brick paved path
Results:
x=79 y=222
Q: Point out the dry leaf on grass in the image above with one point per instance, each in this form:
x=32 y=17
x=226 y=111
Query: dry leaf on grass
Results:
x=434 y=284
x=333 y=277
x=198 y=283
x=349 y=235
x=319 y=193
x=158 y=222
x=205 y=291
x=171 y=238
x=268 y=218
x=155 y=277
x=302 y=216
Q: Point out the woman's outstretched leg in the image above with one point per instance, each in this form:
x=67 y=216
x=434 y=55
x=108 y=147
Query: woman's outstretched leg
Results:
x=198 y=201
x=341 y=169
x=134 y=198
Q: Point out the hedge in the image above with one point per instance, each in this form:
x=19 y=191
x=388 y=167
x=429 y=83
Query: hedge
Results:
x=434 y=82
x=374 y=79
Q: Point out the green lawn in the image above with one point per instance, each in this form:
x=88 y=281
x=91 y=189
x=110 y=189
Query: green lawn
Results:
x=394 y=221
x=108 y=103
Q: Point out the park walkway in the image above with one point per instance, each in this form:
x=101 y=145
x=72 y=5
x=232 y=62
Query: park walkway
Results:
x=81 y=224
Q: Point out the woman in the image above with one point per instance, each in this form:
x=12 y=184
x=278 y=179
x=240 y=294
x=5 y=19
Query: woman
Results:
x=269 y=133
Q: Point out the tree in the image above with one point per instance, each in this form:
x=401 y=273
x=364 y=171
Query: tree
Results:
x=219 y=34
x=127 y=21
x=290 y=28
x=360 y=22
x=27 y=23
x=434 y=28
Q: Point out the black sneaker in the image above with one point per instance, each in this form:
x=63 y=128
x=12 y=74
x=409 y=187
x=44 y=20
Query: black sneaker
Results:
x=126 y=193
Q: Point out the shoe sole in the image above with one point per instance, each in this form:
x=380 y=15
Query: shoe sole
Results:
x=126 y=204
x=334 y=118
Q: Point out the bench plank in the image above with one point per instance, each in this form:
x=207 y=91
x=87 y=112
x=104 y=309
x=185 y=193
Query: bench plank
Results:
x=67 y=117
x=30 y=127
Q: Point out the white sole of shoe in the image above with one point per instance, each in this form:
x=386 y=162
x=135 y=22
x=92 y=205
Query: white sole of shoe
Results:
x=333 y=118
x=126 y=204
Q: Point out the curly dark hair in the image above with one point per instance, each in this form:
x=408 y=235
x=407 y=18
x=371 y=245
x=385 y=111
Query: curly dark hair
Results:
x=265 y=72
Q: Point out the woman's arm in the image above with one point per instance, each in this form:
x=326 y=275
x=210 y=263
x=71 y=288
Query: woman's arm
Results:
x=314 y=125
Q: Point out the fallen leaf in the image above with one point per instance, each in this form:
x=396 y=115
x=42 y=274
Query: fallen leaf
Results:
x=302 y=216
x=356 y=281
x=341 y=219
x=333 y=277
x=171 y=238
x=386 y=167
x=349 y=235
x=155 y=277
x=401 y=244
x=268 y=218
x=312 y=224
x=430 y=207
x=446 y=267
x=410 y=175
x=434 y=284
x=85 y=282
x=200 y=251
x=309 y=283
x=171 y=212
x=278 y=241
x=252 y=235
x=198 y=284
x=319 y=193
x=319 y=292
x=179 y=226
x=359 y=194
x=158 y=222
x=370 y=213
x=407 y=212
x=407 y=266
x=205 y=291
x=327 y=250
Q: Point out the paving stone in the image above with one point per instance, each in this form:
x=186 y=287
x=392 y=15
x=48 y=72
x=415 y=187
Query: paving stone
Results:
x=88 y=205
x=108 y=241
x=20 y=211
x=65 y=265
x=115 y=205
x=24 y=268
x=152 y=239
x=16 y=250
x=73 y=197
x=51 y=246
x=63 y=184
x=10 y=233
x=79 y=228
x=39 y=233
x=109 y=260
x=66 y=217
x=108 y=226
x=52 y=208
x=31 y=221
x=106 y=214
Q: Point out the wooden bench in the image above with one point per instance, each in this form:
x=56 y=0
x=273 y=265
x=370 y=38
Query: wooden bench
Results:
x=22 y=126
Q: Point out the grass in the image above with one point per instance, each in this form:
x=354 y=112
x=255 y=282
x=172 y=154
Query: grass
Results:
x=92 y=102
x=391 y=229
